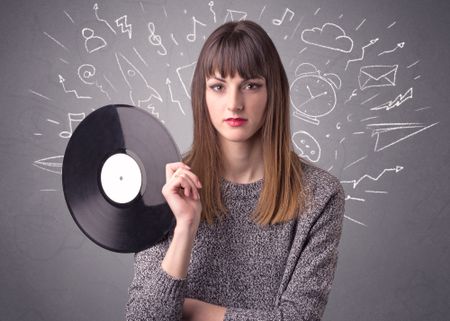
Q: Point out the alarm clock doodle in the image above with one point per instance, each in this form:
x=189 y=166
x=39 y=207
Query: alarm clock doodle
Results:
x=313 y=95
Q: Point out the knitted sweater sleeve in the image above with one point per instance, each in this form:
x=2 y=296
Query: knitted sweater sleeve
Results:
x=306 y=294
x=154 y=294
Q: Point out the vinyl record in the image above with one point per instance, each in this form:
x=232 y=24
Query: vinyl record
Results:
x=112 y=175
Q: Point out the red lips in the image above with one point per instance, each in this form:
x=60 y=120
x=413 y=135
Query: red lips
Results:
x=235 y=122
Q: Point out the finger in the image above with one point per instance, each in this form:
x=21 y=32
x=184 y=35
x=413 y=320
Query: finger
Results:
x=193 y=177
x=183 y=180
x=172 y=167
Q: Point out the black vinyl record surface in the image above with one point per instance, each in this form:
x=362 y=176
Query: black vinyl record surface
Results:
x=112 y=175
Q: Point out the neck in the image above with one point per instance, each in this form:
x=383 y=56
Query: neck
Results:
x=242 y=161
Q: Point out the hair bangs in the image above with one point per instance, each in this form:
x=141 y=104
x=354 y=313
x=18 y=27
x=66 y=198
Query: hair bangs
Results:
x=236 y=53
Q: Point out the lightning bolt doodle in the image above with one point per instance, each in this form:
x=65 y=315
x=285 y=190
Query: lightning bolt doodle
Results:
x=124 y=26
x=400 y=99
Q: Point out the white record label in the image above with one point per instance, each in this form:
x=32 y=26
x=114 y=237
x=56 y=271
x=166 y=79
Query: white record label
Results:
x=121 y=178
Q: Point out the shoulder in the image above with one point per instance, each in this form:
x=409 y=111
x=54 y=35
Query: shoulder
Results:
x=321 y=185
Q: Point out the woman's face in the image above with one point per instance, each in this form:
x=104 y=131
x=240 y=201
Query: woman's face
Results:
x=236 y=106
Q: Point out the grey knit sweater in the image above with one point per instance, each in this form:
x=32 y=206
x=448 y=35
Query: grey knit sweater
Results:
x=281 y=272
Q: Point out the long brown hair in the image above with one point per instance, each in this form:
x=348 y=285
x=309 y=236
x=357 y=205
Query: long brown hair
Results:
x=245 y=47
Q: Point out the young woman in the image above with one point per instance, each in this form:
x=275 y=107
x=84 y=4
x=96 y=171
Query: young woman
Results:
x=257 y=228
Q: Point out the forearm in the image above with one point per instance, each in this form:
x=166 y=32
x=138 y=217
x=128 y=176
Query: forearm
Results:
x=178 y=256
x=196 y=310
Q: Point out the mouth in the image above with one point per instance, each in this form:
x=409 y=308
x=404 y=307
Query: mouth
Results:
x=235 y=119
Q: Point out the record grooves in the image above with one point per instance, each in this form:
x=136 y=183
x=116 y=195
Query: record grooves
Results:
x=113 y=172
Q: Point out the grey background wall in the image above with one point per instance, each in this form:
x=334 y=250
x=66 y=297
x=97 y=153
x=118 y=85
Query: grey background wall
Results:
x=376 y=117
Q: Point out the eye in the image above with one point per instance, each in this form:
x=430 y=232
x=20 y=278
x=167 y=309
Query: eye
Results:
x=252 y=86
x=216 y=87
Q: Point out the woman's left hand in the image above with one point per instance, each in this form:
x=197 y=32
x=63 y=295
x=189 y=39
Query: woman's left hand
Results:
x=196 y=310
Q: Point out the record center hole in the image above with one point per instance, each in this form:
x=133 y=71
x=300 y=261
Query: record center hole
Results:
x=124 y=190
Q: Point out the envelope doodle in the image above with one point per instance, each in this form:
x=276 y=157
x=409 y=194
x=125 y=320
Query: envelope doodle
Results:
x=377 y=76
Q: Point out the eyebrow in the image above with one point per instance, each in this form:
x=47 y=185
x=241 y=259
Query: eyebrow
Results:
x=243 y=80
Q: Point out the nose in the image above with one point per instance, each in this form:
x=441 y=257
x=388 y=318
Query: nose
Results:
x=235 y=101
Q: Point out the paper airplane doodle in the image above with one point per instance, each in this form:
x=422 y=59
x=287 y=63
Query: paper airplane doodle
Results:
x=389 y=134
x=185 y=74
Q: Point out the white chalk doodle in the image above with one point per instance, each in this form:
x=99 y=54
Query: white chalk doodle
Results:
x=312 y=94
x=110 y=83
x=413 y=64
x=369 y=99
x=235 y=15
x=164 y=10
x=400 y=99
x=348 y=197
x=278 y=22
x=124 y=26
x=155 y=39
x=96 y=42
x=391 y=25
x=388 y=133
x=375 y=192
x=168 y=82
x=423 y=108
x=62 y=80
x=261 y=13
x=68 y=16
x=173 y=39
x=330 y=36
x=86 y=73
x=211 y=5
x=40 y=95
x=140 y=57
x=64 y=61
x=377 y=76
x=193 y=36
x=307 y=145
x=368 y=118
x=56 y=41
x=317 y=11
x=296 y=27
x=185 y=74
x=51 y=164
x=371 y=42
x=353 y=94
x=74 y=118
x=359 y=26
x=355 y=162
x=140 y=91
x=355 y=182
x=53 y=121
x=95 y=8
x=399 y=46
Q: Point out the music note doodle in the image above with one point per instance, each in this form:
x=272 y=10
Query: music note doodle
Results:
x=278 y=22
x=73 y=118
x=155 y=39
x=192 y=36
